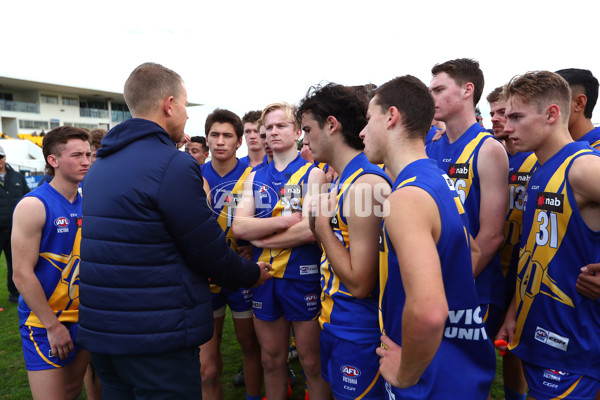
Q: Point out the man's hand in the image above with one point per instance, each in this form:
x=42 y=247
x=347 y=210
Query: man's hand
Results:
x=390 y=361
x=60 y=341
x=185 y=139
x=588 y=282
x=508 y=328
x=438 y=135
x=264 y=273
x=245 y=252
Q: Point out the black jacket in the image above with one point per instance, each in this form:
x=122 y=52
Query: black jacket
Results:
x=15 y=187
x=149 y=243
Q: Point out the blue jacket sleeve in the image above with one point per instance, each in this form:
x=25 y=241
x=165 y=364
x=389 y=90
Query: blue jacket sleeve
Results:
x=197 y=235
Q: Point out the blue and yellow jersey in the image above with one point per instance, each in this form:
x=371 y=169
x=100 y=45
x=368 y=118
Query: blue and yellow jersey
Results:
x=280 y=193
x=342 y=314
x=459 y=161
x=464 y=365
x=520 y=168
x=556 y=326
x=226 y=192
x=592 y=137
x=57 y=268
x=322 y=166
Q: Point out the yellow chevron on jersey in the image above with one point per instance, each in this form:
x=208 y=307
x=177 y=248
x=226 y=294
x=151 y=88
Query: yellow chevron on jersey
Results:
x=383 y=273
x=463 y=183
x=331 y=281
x=225 y=217
x=513 y=225
x=279 y=258
x=66 y=295
x=595 y=144
x=533 y=278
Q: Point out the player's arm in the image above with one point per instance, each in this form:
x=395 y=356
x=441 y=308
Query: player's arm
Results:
x=426 y=310
x=246 y=227
x=584 y=177
x=300 y=232
x=357 y=268
x=28 y=220
x=509 y=325
x=492 y=166
x=475 y=252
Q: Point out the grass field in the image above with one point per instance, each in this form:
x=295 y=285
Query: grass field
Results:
x=13 y=377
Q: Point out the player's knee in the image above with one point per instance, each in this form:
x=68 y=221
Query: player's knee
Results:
x=210 y=373
x=74 y=389
x=249 y=346
x=272 y=361
x=311 y=364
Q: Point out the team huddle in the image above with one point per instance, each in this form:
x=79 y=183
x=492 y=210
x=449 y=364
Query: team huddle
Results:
x=399 y=246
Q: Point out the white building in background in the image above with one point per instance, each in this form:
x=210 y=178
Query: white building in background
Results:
x=28 y=107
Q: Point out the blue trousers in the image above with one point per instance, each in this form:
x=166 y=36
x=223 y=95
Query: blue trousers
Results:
x=173 y=375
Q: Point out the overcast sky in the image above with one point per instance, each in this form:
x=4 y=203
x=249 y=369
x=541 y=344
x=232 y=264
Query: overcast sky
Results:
x=243 y=55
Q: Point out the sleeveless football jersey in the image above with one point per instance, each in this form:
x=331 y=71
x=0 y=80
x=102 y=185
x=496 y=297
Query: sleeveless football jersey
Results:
x=342 y=314
x=464 y=365
x=556 y=326
x=281 y=193
x=520 y=168
x=226 y=192
x=459 y=161
x=57 y=268
x=592 y=137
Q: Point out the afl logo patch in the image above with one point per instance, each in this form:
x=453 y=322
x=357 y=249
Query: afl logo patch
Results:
x=350 y=371
x=61 y=222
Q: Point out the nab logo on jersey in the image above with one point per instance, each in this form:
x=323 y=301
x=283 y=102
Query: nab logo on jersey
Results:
x=334 y=223
x=458 y=171
x=290 y=191
x=550 y=202
x=516 y=178
x=350 y=371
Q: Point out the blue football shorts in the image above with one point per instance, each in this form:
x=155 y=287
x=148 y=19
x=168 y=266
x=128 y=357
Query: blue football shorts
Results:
x=547 y=383
x=295 y=300
x=36 y=348
x=352 y=369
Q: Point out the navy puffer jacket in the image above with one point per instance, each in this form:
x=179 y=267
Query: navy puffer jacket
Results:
x=149 y=243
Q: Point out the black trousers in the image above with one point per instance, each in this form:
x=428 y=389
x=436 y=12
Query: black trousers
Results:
x=174 y=375
x=5 y=246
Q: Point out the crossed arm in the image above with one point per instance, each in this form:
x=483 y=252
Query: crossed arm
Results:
x=357 y=268
x=282 y=231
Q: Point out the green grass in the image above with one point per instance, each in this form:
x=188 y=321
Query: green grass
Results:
x=15 y=386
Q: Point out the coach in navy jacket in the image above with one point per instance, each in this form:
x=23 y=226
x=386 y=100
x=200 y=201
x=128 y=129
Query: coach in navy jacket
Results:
x=149 y=241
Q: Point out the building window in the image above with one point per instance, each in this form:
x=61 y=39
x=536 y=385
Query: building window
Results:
x=49 y=99
x=120 y=112
x=54 y=123
x=80 y=125
x=70 y=101
x=27 y=124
